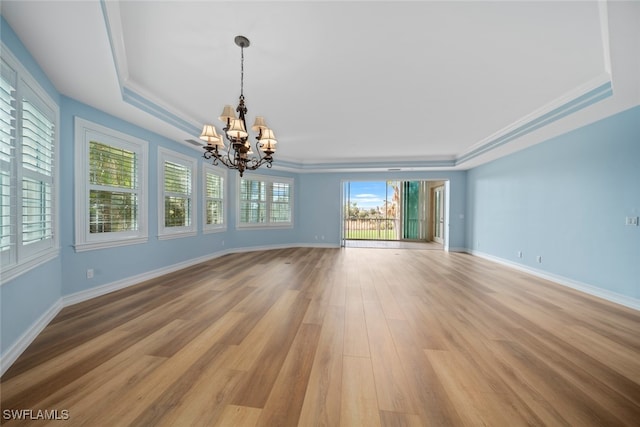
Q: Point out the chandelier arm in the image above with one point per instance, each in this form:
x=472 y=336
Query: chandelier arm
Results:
x=258 y=150
x=229 y=152
x=217 y=157
x=235 y=161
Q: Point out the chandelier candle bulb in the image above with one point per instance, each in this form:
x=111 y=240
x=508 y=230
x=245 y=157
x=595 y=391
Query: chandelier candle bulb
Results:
x=259 y=124
x=210 y=135
x=267 y=136
x=240 y=153
x=237 y=130
x=228 y=114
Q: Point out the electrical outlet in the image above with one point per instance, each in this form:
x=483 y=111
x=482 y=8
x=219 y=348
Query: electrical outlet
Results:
x=631 y=220
x=519 y=253
x=90 y=273
x=539 y=259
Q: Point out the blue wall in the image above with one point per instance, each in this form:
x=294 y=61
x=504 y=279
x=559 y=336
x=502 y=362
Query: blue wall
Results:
x=25 y=299
x=566 y=200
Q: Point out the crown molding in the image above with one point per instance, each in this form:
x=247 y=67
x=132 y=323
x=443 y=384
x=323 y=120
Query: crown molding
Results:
x=508 y=139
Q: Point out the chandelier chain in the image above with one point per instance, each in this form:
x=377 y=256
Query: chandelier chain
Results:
x=241 y=70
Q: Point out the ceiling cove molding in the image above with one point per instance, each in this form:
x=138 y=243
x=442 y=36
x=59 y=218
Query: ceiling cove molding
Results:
x=588 y=94
x=113 y=25
x=130 y=91
x=134 y=98
x=582 y=97
x=381 y=166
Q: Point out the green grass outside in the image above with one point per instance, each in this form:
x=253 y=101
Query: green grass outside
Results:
x=371 y=235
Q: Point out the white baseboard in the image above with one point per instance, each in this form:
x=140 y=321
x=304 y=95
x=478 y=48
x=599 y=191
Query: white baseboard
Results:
x=25 y=340
x=285 y=246
x=85 y=295
x=614 y=297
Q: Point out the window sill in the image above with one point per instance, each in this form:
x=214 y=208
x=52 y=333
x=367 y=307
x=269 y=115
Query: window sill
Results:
x=177 y=235
x=264 y=227
x=90 y=246
x=214 y=230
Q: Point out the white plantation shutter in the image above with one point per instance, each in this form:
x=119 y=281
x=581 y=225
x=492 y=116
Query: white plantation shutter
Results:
x=213 y=199
x=38 y=144
x=265 y=201
x=177 y=187
x=176 y=195
x=280 y=202
x=253 y=201
x=113 y=188
x=8 y=116
x=28 y=144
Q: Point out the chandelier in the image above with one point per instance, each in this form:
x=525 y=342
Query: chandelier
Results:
x=239 y=155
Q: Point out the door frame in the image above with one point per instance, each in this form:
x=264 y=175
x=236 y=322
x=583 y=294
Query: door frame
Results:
x=436 y=213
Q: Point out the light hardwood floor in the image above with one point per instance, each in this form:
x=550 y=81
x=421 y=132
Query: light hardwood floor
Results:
x=336 y=337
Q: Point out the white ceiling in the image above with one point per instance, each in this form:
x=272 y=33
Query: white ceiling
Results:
x=418 y=84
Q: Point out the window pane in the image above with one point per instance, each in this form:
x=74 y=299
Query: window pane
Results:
x=177 y=211
x=36 y=211
x=7 y=144
x=112 y=211
x=280 y=192
x=214 y=199
x=253 y=190
x=38 y=135
x=7 y=238
x=7 y=113
x=280 y=212
x=112 y=166
x=115 y=210
x=177 y=178
x=214 y=186
x=253 y=206
x=214 y=212
x=280 y=208
x=253 y=212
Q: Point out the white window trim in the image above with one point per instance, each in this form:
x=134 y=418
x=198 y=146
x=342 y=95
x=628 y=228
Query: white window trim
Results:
x=25 y=259
x=85 y=132
x=214 y=228
x=265 y=225
x=165 y=233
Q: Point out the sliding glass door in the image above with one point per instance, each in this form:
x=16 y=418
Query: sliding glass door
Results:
x=387 y=210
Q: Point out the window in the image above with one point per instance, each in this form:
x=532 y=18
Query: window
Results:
x=111 y=187
x=177 y=196
x=266 y=201
x=8 y=118
x=214 y=208
x=28 y=174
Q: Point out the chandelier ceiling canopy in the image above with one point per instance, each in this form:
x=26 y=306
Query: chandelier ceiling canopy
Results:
x=239 y=154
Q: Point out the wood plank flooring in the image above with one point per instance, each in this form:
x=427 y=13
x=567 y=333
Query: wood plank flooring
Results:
x=335 y=337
